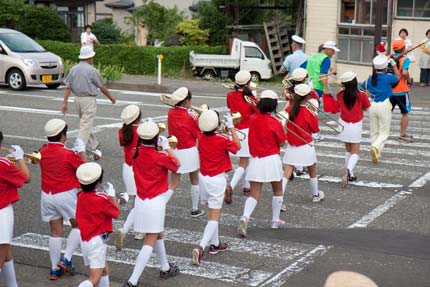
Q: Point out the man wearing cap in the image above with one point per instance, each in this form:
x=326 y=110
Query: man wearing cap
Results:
x=59 y=193
x=297 y=58
x=84 y=81
x=318 y=66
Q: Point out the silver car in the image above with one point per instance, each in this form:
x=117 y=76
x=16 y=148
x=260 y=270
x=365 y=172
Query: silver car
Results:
x=24 y=62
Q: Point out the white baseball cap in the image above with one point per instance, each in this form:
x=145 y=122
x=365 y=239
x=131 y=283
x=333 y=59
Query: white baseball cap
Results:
x=298 y=39
x=380 y=62
x=347 y=77
x=88 y=173
x=242 y=77
x=208 y=121
x=269 y=94
x=130 y=113
x=54 y=127
x=298 y=74
x=179 y=95
x=331 y=45
x=302 y=90
x=86 y=52
x=348 y=279
x=148 y=130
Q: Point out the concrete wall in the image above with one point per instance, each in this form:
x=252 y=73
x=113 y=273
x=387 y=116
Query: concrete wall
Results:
x=118 y=18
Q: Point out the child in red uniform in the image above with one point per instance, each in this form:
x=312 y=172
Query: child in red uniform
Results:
x=301 y=152
x=237 y=103
x=214 y=149
x=266 y=136
x=151 y=169
x=11 y=178
x=94 y=214
x=182 y=124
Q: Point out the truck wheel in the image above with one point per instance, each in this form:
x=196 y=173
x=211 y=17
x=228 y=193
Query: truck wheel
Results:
x=16 y=80
x=255 y=77
x=208 y=75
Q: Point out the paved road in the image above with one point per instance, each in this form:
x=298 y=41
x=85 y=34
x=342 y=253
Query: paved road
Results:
x=379 y=226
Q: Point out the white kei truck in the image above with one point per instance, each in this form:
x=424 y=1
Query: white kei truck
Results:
x=244 y=56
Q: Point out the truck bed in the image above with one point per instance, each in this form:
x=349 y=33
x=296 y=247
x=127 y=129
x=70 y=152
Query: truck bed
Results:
x=209 y=60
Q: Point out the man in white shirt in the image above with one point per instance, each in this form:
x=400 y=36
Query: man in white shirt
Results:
x=88 y=38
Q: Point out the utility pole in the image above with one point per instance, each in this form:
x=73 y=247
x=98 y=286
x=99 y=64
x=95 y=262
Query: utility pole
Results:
x=379 y=18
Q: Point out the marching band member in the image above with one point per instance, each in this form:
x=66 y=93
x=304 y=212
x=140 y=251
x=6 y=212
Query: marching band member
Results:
x=151 y=169
x=183 y=124
x=214 y=149
x=299 y=76
x=59 y=193
x=351 y=103
x=299 y=152
x=266 y=136
x=237 y=103
x=128 y=139
x=11 y=178
x=94 y=214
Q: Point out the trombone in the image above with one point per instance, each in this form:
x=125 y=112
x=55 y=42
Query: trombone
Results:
x=252 y=86
x=313 y=106
x=165 y=99
x=288 y=84
x=237 y=117
x=32 y=158
x=173 y=141
x=285 y=116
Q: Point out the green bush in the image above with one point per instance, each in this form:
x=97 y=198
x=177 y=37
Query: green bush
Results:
x=136 y=60
x=106 y=32
x=10 y=11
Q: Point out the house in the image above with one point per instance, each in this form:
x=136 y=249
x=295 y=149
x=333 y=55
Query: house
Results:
x=351 y=24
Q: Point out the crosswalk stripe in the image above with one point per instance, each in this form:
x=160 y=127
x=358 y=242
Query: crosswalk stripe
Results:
x=361 y=183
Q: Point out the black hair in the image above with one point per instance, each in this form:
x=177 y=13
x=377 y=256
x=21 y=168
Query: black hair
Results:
x=1 y=137
x=127 y=131
x=88 y=26
x=57 y=138
x=92 y=186
x=428 y=31
x=375 y=76
x=188 y=97
x=350 y=94
x=295 y=106
x=140 y=142
x=404 y=30
x=214 y=130
x=267 y=105
x=320 y=48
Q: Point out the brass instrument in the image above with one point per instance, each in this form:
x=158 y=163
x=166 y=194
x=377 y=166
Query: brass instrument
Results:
x=252 y=86
x=313 y=106
x=237 y=117
x=32 y=158
x=250 y=101
x=173 y=141
x=288 y=84
x=284 y=115
x=165 y=99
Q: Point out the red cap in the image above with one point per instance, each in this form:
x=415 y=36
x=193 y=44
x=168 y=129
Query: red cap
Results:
x=381 y=48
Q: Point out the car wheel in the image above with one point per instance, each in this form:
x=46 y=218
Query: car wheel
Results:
x=52 y=86
x=208 y=75
x=16 y=80
x=255 y=77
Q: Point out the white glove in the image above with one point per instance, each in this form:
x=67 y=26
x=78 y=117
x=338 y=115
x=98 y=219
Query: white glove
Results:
x=17 y=152
x=228 y=121
x=163 y=142
x=123 y=198
x=109 y=189
x=392 y=62
x=78 y=146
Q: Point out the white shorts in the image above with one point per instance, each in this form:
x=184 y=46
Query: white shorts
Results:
x=128 y=178
x=265 y=169
x=94 y=252
x=303 y=155
x=6 y=224
x=351 y=132
x=60 y=205
x=189 y=159
x=149 y=213
x=244 y=147
x=212 y=190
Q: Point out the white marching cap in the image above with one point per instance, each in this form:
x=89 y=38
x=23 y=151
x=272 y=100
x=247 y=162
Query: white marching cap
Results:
x=331 y=45
x=242 y=77
x=88 y=173
x=298 y=39
x=179 y=95
x=302 y=90
x=148 y=130
x=347 y=77
x=130 y=113
x=86 y=52
x=298 y=74
x=208 y=121
x=380 y=62
x=269 y=94
x=54 y=127
x=348 y=279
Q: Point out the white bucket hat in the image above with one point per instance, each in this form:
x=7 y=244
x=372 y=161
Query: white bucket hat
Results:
x=331 y=45
x=298 y=75
x=130 y=113
x=148 y=130
x=208 y=121
x=242 y=77
x=380 y=62
x=302 y=90
x=349 y=279
x=269 y=94
x=347 y=77
x=88 y=173
x=86 y=52
x=179 y=95
x=54 y=127
x=298 y=39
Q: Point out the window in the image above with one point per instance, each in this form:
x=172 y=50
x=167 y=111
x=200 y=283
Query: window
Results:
x=251 y=52
x=413 y=8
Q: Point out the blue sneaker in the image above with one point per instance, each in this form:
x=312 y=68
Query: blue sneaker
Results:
x=55 y=273
x=66 y=265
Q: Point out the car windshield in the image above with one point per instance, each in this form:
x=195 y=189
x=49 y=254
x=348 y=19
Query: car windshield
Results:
x=21 y=43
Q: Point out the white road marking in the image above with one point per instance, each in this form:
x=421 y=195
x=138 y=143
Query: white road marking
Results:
x=25 y=138
x=420 y=182
x=361 y=183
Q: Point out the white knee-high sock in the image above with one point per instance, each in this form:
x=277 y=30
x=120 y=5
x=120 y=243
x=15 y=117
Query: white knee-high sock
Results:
x=73 y=241
x=8 y=272
x=160 y=250
x=141 y=261
x=86 y=283
x=276 y=207
x=347 y=156
x=195 y=194
x=284 y=184
x=352 y=162
x=313 y=182
x=55 y=251
x=238 y=173
x=249 y=207
x=210 y=229
x=128 y=222
x=245 y=183
x=104 y=281
x=215 y=239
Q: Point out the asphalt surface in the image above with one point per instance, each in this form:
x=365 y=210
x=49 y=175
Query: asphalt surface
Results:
x=379 y=226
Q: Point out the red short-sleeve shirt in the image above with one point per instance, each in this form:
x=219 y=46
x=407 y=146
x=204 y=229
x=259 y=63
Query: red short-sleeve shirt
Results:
x=11 y=178
x=184 y=126
x=355 y=114
x=308 y=121
x=266 y=135
x=130 y=149
x=236 y=103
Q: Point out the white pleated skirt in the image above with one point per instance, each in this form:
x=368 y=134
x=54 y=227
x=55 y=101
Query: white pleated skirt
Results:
x=303 y=155
x=351 y=132
x=244 y=147
x=265 y=169
x=189 y=159
x=128 y=178
x=6 y=224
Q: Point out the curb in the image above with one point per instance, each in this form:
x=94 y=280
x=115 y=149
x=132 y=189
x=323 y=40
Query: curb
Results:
x=120 y=85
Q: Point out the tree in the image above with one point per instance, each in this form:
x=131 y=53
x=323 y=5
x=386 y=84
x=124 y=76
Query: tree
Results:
x=190 y=33
x=10 y=11
x=212 y=19
x=106 y=32
x=43 y=23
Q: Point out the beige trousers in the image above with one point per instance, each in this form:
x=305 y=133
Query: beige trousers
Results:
x=86 y=108
x=380 y=123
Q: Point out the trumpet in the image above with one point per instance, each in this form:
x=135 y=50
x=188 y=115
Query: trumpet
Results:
x=165 y=99
x=200 y=110
x=173 y=141
x=313 y=106
x=284 y=115
x=237 y=117
x=32 y=158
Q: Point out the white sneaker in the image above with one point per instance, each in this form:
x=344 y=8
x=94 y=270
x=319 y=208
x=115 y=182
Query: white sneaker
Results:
x=139 y=236
x=319 y=197
x=283 y=208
